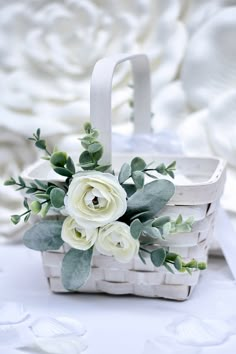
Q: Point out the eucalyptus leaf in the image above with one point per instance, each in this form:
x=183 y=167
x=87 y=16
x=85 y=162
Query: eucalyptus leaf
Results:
x=63 y=171
x=102 y=168
x=150 y=200
x=41 y=184
x=44 y=236
x=152 y=232
x=41 y=144
x=97 y=155
x=57 y=196
x=142 y=257
x=95 y=147
x=70 y=165
x=31 y=190
x=158 y=256
x=129 y=188
x=75 y=269
x=85 y=158
x=178 y=263
x=138 y=178
x=138 y=164
x=125 y=173
x=136 y=228
x=160 y=221
x=168 y=267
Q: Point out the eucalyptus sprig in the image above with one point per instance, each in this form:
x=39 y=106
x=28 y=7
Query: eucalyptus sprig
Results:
x=39 y=142
x=162 y=257
x=89 y=159
x=138 y=168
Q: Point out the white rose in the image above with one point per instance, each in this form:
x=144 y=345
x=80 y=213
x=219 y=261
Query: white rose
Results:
x=115 y=240
x=76 y=237
x=95 y=199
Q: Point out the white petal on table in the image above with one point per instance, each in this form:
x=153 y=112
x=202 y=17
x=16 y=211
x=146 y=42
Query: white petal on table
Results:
x=197 y=332
x=209 y=66
x=59 y=335
x=12 y=313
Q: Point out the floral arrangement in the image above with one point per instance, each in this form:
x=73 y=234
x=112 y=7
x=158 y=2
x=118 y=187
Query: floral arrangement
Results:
x=93 y=209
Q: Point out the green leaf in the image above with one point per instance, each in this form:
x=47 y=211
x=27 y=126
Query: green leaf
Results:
x=70 y=165
x=138 y=178
x=59 y=159
x=136 y=229
x=160 y=221
x=179 y=220
x=42 y=195
x=45 y=209
x=49 y=189
x=41 y=144
x=166 y=265
x=95 y=147
x=31 y=190
x=88 y=166
x=166 y=228
x=202 y=265
x=62 y=171
x=75 y=269
x=102 y=168
x=41 y=184
x=35 y=207
x=138 y=164
x=44 y=236
x=152 y=232
x=87 y=127
x=158 y=257
x=178 y=263
x=125 y=173
x=26 y=218
x=171 y=174
x=142 y=257
x=85 y=159
x=171 y=166
x=150 y=200
x=97 y=155
x=130 y=189
x=15 y=219
x=10 y=182
x=38 y=132
x=57 y=196
x=25 y=203
x=171 y=256
x=161 y=169
x=22 y=182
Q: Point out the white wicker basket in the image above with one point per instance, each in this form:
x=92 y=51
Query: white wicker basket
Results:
x=199 y=185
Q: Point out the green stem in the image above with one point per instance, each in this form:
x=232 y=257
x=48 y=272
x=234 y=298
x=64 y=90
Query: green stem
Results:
x=28 y=187
x=144 y=250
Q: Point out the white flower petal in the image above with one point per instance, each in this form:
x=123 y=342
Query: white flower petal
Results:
x=12 y=313
x=59 y=335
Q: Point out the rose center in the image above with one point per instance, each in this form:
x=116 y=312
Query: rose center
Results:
x=95 y=201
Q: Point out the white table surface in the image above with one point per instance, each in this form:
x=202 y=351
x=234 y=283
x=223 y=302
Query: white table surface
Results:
x=118 y=324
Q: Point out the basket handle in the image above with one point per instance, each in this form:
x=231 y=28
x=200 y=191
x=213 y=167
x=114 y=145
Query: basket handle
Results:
x=100 y=97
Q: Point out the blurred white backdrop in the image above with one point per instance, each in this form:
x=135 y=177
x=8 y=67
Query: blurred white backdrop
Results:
x=48 y=50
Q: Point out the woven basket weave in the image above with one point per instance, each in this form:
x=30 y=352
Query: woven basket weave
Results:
x=196 y=195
